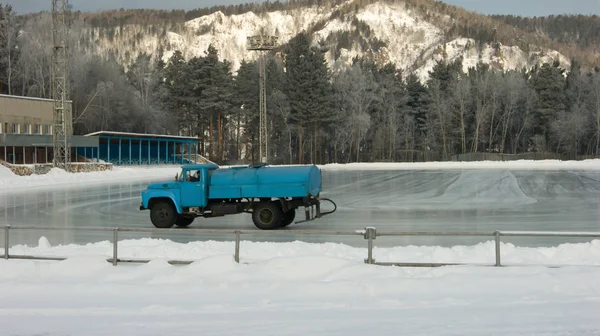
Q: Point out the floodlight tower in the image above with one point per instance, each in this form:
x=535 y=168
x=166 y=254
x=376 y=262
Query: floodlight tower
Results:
x=59 y=82
x=262 y=44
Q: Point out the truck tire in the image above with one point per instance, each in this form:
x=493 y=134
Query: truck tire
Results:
x=163 y=215
x=267 y=216
x=288 y=218
x=184 y=221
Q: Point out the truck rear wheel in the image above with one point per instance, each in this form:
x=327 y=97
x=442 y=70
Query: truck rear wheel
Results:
x=163 y=215
x=267 y=216
x=288 y=218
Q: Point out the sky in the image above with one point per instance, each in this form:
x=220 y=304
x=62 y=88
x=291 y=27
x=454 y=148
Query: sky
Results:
x=515 y=7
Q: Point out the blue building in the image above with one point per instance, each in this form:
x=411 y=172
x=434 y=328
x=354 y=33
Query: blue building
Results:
x=121 y=148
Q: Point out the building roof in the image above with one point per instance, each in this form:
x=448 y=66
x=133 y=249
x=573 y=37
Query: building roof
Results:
x=141 y=135
x=30 y=98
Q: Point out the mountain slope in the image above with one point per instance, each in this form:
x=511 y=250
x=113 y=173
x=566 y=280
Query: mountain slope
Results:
x=400 y=32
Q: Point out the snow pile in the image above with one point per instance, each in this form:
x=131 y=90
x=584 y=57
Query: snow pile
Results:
x=295 y=289
x=5 y=172
x=253 y=252
x=59 y=177
x=593 y=164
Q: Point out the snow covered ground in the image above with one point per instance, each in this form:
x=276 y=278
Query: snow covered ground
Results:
x=297 y=288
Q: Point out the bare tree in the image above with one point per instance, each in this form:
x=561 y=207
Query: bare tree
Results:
x=482 y=98
x=35 y=59
x=570 y=128
x=8 y=43
x=439 y=115
x=495 y=102
x=513 y=88
x=356 y=90
x=596 y=106
x=462 y=93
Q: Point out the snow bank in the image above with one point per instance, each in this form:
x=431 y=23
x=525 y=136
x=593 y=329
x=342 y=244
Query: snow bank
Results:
x=57 y=177
x=5 y=172
x=297 y=289
x=593 y=164
x=484 y=253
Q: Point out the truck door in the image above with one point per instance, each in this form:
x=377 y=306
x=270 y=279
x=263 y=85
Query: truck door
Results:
x=193 y=189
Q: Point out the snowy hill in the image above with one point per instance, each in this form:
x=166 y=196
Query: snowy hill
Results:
x=384 y=31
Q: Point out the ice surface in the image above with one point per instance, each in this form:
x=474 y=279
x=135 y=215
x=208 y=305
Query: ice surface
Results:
x=485 y=197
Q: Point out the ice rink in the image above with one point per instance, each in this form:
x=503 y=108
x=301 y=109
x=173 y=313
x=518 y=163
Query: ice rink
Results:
x=301 y=288
x=391 y=200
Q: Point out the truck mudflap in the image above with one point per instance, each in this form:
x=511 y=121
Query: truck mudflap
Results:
x=314 y=213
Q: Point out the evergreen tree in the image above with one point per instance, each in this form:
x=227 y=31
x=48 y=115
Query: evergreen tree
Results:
x=417 y=105
x=308 y=89
x=247 y=113
x=215 y=86
x=549 y=86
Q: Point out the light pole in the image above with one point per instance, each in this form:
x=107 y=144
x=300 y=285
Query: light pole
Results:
x=60 y=84
x=262 y=44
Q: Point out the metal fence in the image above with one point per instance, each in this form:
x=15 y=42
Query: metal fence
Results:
x=369 y=234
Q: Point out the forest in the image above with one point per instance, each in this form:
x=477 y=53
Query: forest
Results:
x=363 y=113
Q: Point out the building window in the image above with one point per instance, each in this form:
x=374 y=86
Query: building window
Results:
x=38 y=129
x=2 y=130
x=15 y=129
x=26 y=129
x=48 y=129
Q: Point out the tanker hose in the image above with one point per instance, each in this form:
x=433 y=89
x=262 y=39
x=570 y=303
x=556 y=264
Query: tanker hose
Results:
x=328 y=212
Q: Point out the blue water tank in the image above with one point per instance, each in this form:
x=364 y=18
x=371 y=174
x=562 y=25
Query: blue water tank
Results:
x=265 y=181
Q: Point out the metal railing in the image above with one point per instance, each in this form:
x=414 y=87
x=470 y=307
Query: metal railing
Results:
x=370 y=234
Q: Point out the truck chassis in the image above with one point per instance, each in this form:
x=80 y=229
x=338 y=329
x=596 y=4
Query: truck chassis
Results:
x=267 y=214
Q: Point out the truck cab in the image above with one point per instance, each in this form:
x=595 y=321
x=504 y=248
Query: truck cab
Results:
x=178 y=202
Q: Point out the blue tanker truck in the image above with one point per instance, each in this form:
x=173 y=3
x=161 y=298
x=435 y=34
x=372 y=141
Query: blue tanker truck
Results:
x=270 y=193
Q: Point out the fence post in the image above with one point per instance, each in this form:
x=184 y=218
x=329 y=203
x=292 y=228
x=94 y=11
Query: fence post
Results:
x=6 y=231
x=497 y=236
x=370 y=234
x=237 y=247
x=115 y=240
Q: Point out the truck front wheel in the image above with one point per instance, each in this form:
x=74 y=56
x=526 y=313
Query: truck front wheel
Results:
x=184 y=221
x=267 y=216
x=163 y=215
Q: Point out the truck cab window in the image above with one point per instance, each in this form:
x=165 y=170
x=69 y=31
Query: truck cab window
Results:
x=192 y=176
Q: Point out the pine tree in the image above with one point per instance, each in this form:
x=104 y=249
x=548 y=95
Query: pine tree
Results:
x=549 y=86
x=247 y=104
x=417 y=105
x=308 y=89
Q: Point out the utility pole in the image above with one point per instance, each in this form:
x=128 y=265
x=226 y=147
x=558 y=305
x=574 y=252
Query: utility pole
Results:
x=262 y=44
x=60 y=84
